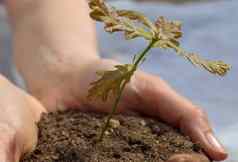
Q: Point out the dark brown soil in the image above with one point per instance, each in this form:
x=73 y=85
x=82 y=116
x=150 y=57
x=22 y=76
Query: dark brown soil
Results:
x=70 y=137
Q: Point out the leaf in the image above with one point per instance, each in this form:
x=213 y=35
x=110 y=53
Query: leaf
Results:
x=122 y=20
x=163 y=32
x=134 y=15
x=167 y=32
x=215 y=67
x=110 y=81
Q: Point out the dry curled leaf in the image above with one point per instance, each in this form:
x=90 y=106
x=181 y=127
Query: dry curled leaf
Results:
x=122 y=20
x=167 y=32
x=162 y=33
x=134 y=15
x=215 y=67
x=110 y=81
x=134 y=24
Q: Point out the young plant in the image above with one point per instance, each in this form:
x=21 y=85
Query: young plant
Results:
x=162 y=33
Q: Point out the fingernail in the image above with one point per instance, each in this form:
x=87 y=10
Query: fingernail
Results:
x=215 y=143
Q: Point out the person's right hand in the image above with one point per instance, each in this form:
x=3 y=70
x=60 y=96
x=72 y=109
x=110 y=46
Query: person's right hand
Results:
x=19 y=113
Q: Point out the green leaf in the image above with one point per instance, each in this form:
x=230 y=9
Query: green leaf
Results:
x=110 y=82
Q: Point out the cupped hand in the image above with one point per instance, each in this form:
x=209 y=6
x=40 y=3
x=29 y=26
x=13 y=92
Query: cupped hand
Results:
x=18 y=117
x=67 y=87
x=18 y=131
x=56 y=55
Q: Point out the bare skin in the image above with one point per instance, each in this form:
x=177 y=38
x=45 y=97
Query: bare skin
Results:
x=55 y=50
x=18 y=131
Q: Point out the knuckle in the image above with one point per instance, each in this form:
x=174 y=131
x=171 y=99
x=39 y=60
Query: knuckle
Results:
x=196 y=115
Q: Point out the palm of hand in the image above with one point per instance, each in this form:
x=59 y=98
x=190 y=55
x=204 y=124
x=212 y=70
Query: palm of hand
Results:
x=67 y=87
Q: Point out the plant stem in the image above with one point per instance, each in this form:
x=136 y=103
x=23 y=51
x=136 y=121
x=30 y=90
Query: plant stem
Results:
x=113 y=111
x=137 y=62
x=143 y=54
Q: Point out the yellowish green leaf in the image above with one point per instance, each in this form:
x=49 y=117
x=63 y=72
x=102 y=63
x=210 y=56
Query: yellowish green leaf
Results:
x=134 y=15
x=167 y=32
x=110 y=82
x=215 y=67
x=122 y=20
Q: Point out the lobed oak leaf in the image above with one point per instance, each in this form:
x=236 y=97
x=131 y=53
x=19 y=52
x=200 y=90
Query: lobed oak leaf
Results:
x=215 y=67
x=164 y=33
x=110 y=81
x=167 y=32
x=122 y=20
x=135 y=15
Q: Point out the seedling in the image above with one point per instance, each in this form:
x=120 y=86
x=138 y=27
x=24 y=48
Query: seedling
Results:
x=162 y=33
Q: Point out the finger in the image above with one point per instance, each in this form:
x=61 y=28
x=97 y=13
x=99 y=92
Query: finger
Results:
x=188 y=158
x=154 y=97
x=18 y=134
x=9 y=150
x=196 y=125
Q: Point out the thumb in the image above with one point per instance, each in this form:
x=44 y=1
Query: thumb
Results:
x=9 y=149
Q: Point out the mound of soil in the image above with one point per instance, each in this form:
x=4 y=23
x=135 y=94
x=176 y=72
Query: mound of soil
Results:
x=71 y=137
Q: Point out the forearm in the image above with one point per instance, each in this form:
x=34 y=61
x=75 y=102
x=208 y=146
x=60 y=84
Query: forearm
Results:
x=61 y=27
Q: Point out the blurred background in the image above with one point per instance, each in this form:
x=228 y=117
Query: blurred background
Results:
x=210 y=28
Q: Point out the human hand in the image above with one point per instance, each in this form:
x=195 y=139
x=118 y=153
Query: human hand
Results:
x=17 y=124
x=56 y=55
x=145 y=93
x=18 y=117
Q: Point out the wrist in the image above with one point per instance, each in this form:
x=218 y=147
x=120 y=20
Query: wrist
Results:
x=49 y=27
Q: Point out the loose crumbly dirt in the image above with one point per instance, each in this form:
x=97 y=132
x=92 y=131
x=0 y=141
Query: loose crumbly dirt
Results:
x=71 y=137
